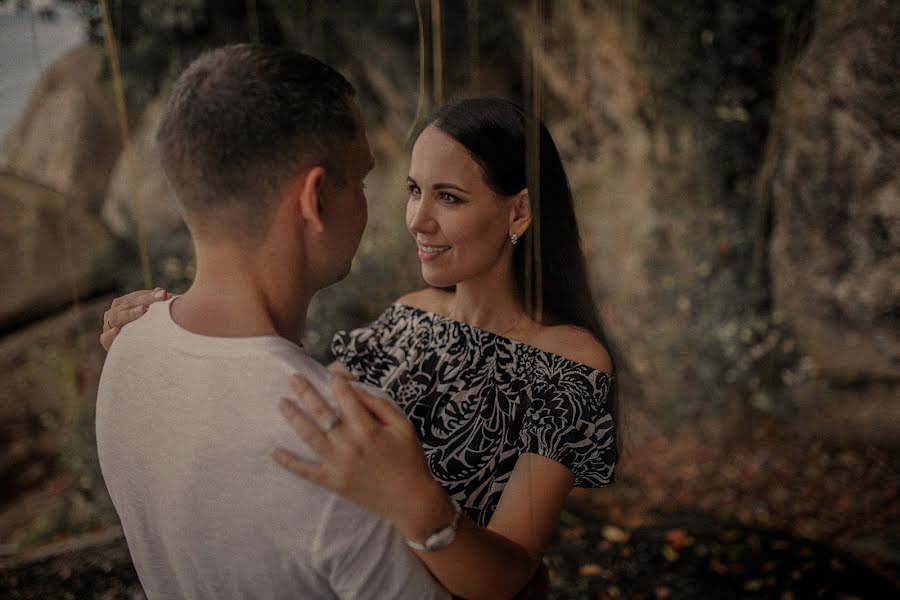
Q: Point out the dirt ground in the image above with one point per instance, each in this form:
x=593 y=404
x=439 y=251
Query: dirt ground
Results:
x=709 y=509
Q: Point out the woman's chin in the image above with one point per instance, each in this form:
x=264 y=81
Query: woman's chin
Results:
x=435 y=279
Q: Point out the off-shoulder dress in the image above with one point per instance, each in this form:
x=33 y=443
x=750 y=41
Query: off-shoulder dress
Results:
x=479 y=401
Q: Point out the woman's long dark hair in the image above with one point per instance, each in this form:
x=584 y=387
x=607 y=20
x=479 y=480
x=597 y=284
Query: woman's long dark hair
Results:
x=494 y=131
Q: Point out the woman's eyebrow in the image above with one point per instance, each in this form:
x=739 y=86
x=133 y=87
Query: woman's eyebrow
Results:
x=452 y=186
x=441 y=186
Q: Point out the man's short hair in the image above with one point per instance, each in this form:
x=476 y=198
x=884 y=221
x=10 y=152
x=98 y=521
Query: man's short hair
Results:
x=241 y=121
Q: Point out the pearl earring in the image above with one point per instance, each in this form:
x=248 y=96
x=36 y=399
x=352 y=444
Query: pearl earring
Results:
x=514 y=238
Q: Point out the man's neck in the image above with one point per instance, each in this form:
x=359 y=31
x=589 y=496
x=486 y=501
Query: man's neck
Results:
x=236 y=295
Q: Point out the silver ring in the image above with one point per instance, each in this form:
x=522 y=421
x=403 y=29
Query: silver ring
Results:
x=334 y=422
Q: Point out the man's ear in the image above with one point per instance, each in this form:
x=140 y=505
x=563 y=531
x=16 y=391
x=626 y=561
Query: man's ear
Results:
x=520 y=213
x=307 y=193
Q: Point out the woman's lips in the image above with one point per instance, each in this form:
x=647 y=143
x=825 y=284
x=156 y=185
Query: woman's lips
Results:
x=431 y=252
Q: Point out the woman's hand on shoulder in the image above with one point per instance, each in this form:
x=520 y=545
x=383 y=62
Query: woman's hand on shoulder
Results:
x=337 y=368
x=126 y=309
x=574 y=343
x=369 y=454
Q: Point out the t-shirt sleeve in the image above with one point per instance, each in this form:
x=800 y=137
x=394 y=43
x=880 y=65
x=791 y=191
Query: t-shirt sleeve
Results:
x=570 y=421
x=363 y=557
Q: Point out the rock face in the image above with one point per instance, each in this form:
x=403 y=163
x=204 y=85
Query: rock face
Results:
x=48 y=245
x=663 y=143
x=835 y=191
x=614 y=196
x=68 y=138
x=50 y=375
x=138 y=188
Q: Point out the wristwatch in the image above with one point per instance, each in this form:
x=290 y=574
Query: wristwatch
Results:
x=442 y=537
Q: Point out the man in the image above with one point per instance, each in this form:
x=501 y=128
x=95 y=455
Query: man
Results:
x=266 y=153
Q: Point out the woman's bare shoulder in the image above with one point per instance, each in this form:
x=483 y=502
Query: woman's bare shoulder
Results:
x=574 y=343
x=429 y=299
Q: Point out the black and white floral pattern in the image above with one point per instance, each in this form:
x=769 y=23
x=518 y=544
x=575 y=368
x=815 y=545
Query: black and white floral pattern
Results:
x=479 y=401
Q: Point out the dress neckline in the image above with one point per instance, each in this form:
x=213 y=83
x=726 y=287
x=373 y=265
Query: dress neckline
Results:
x=438 y=316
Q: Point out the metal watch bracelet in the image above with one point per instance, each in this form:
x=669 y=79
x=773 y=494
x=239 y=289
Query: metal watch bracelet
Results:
x=442 y=537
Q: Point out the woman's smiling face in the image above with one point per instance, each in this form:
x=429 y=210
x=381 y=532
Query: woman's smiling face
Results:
x=460 y=225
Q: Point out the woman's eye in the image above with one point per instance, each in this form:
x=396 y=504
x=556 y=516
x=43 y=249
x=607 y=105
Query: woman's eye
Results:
x=450 y=198
x=413 y=189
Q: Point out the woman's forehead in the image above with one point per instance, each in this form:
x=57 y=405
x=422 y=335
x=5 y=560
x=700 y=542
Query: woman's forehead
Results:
x=436 y=155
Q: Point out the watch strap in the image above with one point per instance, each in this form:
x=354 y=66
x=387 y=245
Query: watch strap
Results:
x=442 y=537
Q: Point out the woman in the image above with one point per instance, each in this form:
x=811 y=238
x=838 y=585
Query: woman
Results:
x=511 y=407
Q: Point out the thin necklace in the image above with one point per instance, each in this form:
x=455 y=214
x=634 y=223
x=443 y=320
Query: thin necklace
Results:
x=514 y=325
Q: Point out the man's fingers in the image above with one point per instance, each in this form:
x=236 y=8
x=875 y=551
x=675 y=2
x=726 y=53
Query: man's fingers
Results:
x=308 y=430
x=304 y=468
x=107 y=337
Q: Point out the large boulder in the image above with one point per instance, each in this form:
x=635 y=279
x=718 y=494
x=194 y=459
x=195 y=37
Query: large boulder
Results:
x=68 y=138
x=138 y=191
x=647 y=210
x=51 y=251
x=614 y=187
x=835 y=189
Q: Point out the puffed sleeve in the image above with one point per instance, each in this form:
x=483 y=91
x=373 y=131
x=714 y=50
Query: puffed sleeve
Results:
x=364 y=351
x=570 y=421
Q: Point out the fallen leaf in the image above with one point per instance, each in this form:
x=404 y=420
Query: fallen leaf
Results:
x=753 y=585
x=718 y=566
x=615 y=534
x=678 y=538
x=590 y=570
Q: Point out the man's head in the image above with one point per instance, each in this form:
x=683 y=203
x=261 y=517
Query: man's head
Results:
x=242 y=123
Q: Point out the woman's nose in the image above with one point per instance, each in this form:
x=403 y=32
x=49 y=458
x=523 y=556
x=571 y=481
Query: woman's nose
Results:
x=420 y=217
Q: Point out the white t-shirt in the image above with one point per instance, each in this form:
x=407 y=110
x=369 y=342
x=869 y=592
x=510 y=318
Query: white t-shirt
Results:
x=185 y=429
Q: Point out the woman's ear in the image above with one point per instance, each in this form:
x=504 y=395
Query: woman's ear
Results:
x=307 y=192
x=520 y=213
